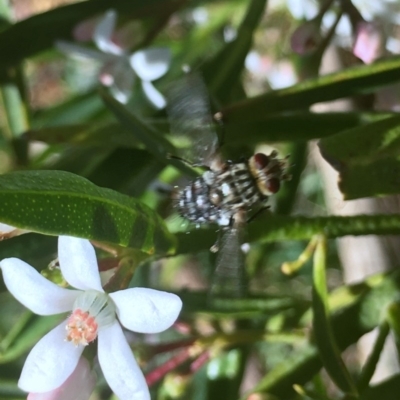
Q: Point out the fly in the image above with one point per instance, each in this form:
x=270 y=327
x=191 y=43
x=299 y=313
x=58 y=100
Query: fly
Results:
x=227 y=191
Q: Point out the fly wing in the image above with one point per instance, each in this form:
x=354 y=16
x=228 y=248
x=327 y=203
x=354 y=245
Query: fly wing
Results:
x=191 y=121
x=230 y=275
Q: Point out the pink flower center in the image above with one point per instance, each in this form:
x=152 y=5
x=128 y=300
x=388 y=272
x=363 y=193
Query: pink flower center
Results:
x=81 y=328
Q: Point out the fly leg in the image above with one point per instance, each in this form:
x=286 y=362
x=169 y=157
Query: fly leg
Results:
x=257 y=213
x=219 y=118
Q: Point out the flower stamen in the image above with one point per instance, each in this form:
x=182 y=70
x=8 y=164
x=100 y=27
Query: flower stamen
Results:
x=81 y=328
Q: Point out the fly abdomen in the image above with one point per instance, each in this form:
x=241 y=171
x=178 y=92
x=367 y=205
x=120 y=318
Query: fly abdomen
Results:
x=194 y=202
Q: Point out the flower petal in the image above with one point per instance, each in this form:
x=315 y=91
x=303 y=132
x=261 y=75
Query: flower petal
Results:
x=124 y=77
x=153 y=95
x=151 y=64
x=8 y=231
x=4 y=228
x=50 y=362
x=119 y=367
x=75 y=50
x=33 y=290
x=121 y=94
x=369 y=42
x=78 y=386
x=146 y=310
x=78 y=263
x=103 y=33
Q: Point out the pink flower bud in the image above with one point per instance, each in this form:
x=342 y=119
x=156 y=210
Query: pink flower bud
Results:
x=306 y=38
x=369 y=42
x=78 y=386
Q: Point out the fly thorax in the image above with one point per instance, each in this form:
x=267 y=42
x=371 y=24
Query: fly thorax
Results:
x=92 y=310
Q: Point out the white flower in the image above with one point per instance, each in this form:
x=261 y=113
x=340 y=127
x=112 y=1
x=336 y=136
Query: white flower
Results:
x=119 y=68
x=8 y=231
x=94 y=314
x=78 y=386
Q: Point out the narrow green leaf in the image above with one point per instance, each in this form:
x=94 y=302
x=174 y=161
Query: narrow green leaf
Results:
x=299 y=125
x=60 y=203
x=223 y=72
x=35 y=249
x=370 y=365
x=111 y=134
x=350 y=321
x=393 y=318
x=14 y=109
x=310 y=394
x=279 y=228
x=351 y=81
x=322 y=330
x=80 y=109
x=375 y=140
x=366 y=158
x=78 y=160
x=31 y=334
x=127 y=171
x=286 y=196
x=155 y=143
x=387 y=390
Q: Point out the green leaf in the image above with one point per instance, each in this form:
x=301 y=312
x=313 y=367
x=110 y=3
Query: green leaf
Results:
x=257 y=306
x=82 y=108
x=351 y=81
x=286 y=196
x=78 y=160
x=322 y=330
x=35 y=249
x=155 y=143
x=16 y=42
x=279 y=228
x=350 y=321
x=111 y=134
x=31 y=334
x=14 y=109
x=60 y=203
x=366 y=158
x=387 y=390
x=299 y=125
x=369 y=367
x=128 y=171
x=223 y=72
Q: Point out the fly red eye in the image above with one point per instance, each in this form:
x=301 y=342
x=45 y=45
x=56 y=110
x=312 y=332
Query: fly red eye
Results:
x=273 y=185
x=261 y=160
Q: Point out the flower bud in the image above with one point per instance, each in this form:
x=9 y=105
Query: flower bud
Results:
x=306 y=38
x=369 y=42
x=78 y=386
